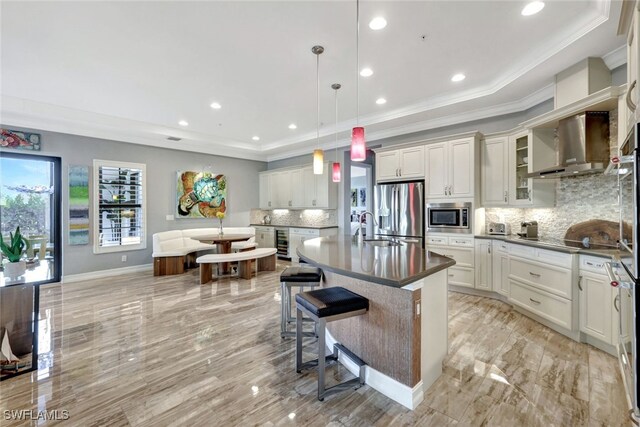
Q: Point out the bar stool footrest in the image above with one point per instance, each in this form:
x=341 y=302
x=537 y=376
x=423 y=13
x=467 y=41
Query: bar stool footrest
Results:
x=329 y=360
x=354 y=382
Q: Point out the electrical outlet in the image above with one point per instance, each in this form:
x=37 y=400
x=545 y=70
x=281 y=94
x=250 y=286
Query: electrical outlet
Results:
x=170 y=218
x=417 y=309
x=124 y=258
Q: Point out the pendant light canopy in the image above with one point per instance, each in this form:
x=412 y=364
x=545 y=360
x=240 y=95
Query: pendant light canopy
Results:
x=335 y=175
x=318 y=154
x=358 y=143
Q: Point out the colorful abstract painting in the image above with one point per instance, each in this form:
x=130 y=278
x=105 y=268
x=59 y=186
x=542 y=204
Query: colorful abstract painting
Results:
x=19 y=140
x=200 y=194
x=78 y=205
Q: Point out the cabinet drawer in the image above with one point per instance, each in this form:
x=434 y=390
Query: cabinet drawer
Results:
x=460 y=276
x=500 y=246
x=549 y=278
x=305 y=232
x=592 y=264
x=461 y=241
x=439 y=240
x=550 y=307
x=462 y=256
x=560 y=259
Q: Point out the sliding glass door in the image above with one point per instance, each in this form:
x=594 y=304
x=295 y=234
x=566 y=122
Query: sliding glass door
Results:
x=30 y=195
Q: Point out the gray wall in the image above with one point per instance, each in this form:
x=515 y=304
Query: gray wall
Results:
x=162 y=165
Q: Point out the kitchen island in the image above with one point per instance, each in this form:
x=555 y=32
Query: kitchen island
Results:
x=403 y=336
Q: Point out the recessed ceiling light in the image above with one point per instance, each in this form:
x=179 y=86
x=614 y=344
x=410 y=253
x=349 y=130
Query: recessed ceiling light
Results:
x=532 y=8
x=366 y=72
x=378 y=23
x=183 y=123
x=216 y=106
x=256 y=138
x=381 y=101
x=293 y=126
x=458 y=77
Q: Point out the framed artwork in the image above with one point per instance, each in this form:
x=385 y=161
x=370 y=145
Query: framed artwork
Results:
x=363 y=197
x=200 y=194
x=354 y=197
x=19 y=140
x=78 y=205
x=358 y=197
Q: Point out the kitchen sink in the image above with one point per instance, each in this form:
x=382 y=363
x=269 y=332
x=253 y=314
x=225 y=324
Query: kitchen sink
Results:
x=382 y=242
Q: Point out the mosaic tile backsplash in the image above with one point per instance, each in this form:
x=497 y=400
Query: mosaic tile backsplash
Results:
x=579 y=199
x=303 y=218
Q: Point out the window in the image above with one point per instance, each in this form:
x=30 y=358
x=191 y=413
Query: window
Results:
x=120 y=213
x=30 y=198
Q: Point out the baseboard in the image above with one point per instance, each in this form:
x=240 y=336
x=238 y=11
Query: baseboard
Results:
x=401 y=393
x=106 y=273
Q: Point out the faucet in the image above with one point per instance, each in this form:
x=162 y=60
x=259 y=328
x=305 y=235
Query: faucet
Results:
x=360 y=218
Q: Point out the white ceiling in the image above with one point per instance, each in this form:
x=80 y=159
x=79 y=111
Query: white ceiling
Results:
x=131 y=70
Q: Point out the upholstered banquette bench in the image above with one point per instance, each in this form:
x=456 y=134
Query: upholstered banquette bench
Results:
x=173 y=250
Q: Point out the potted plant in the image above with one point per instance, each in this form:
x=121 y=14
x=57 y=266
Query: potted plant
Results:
x=220 y=216
x=14 y=251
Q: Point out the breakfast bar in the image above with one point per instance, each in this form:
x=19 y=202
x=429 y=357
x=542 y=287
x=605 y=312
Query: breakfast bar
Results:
x=403 y=337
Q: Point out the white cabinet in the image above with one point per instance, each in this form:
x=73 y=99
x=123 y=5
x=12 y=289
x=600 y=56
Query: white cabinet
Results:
x=598 y=308
x=483 y=264
x=495 y=173
x=628 y=113
x=506 y=161
x=297 y=188
x=401 y=164
x=500 y=267
x=450 y=169
x=461 y=250
x=264 y=187
x=265 y=237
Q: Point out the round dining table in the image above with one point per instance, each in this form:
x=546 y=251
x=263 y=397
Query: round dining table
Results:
x=224 y=242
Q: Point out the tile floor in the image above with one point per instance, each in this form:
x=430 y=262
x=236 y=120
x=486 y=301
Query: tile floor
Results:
x=152 y=351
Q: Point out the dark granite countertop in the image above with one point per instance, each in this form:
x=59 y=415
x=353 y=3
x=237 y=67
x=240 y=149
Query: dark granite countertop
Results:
x=552 y=244
x=316 y=227
x=395 y=266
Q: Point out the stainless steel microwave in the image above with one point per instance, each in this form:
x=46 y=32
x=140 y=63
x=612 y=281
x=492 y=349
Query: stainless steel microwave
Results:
x=449 y=217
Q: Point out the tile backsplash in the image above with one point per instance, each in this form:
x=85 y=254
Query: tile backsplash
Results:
x=302 y=218
x=578 y=199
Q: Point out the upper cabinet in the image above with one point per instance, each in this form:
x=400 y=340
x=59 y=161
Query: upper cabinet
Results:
x=297 y=189
x=450 y=169
x=628 y=114
x=401 y=164
x=506 y=160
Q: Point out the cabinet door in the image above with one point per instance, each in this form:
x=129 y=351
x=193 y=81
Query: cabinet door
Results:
x=483 y=264
x=520 y=159
x=322 y=188
x=500 y=268
x=461 y=168
x=297 y=188
x=282 y=189
x=387 y=166
x=412 y=162
x=436 y=168
x=264 y=187
x=595 y=306
x=632 y=68
x=495 y=173
x=309 y=183
x=264 y=239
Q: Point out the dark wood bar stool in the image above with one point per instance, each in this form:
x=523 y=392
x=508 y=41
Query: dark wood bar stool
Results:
x=301 y=277
x=323 y=306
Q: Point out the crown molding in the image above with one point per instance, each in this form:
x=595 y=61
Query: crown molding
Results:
x=523 y=104
x=616 y=57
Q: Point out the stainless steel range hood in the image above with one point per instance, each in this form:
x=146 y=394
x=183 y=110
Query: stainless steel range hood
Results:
x=583 y=146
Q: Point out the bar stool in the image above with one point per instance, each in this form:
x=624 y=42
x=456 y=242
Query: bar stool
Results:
x=323 y=306
x=295 y=276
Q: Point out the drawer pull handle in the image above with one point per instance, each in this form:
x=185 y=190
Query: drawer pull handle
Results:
x=534 y=274
x=534 y=301
x=616 y=301
x=580 y=283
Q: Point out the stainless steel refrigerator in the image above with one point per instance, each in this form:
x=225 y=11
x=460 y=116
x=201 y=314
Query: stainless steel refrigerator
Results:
x=624 y=273
x=399 y=211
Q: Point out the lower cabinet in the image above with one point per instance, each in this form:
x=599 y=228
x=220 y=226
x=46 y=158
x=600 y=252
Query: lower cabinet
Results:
x=265 y=237
x=297 y=236
x=461 y=249
x=598 y=301
x=500 y=267
x=483 y=265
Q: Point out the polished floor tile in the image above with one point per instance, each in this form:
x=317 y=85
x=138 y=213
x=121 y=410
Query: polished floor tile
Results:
x=139 y=350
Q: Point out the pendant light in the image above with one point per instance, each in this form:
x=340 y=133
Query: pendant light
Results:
x=318 y=154
x=336 y=165
x=358 y=143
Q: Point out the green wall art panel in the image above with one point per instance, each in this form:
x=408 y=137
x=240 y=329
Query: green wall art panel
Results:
x=78 y=205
